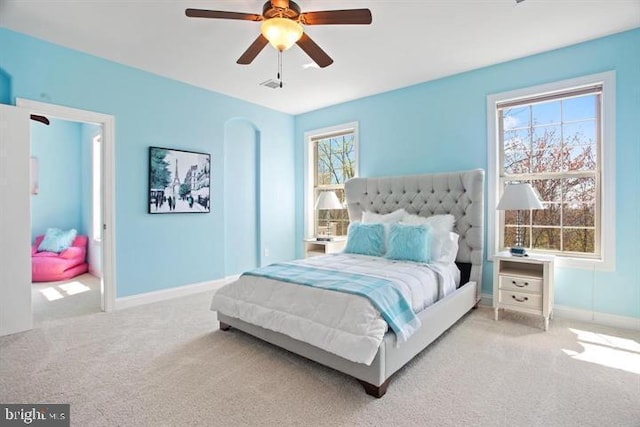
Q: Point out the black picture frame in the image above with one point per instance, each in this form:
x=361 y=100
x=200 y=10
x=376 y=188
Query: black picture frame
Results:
x=179 y=181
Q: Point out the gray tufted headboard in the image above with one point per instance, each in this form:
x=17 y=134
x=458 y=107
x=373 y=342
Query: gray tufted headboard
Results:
x=458 y=193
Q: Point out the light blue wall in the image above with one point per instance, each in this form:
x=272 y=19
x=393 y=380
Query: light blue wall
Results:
x=155 y=252
x=5 y=87
x=435 y=126
x=58 y=203
x=242 y=143
x=441 y=126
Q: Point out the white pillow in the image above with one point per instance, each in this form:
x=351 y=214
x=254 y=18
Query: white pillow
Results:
x=395 y=216
x=438 y=223
x=444 y=242
x=447 y=245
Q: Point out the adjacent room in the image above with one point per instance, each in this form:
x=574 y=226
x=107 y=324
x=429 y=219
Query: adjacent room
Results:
x=65 y=203
x=320 y=213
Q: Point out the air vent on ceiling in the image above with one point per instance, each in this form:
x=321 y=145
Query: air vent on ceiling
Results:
x=273 y=84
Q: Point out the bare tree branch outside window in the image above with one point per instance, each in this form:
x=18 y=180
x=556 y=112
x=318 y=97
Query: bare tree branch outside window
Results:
x=335 y=164
x=554 y=146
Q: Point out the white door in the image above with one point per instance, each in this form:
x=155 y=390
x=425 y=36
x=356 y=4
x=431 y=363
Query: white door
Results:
x=15 y=221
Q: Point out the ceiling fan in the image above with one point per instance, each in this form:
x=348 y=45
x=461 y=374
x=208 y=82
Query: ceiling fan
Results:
x=282 y=22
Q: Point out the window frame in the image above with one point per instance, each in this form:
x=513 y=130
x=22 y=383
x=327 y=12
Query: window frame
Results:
x=606 y=232
x=309 y=174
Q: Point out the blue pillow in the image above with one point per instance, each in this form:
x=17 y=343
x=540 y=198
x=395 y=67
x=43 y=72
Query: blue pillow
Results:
x=365 y=239
x=409 y=243
x=56 y=240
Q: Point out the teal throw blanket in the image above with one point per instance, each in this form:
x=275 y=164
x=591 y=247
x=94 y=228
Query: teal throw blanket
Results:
x=383 y=293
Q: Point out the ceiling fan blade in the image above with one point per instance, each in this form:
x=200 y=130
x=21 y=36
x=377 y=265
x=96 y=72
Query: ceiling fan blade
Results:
x=41 y=119
x=219 y=14
x=333 y=17
x=284 y=4
x=256 y=47
x=314 y=51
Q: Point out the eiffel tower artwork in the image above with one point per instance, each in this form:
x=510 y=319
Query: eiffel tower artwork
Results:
x=171 y=192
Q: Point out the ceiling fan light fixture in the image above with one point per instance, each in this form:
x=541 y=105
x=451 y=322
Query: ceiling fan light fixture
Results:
x=282 y=33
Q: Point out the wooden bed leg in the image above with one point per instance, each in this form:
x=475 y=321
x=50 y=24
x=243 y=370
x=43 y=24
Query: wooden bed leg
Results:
x=224 y=326
x=375 y=390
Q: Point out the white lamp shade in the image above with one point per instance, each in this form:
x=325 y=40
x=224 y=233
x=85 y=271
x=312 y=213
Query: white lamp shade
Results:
x=328 y=200
x=282 y=33
x=519 y=196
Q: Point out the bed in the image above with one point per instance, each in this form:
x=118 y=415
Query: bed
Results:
x=457 y=193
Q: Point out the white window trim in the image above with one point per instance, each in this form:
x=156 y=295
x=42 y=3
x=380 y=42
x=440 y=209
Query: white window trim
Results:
x=309 y=137
x=607 y=262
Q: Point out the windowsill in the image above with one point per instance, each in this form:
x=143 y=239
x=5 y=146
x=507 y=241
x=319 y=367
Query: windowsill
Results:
x=581 y=263
x=585 y=264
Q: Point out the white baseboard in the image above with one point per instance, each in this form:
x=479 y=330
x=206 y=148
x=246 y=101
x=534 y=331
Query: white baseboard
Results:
x=566 y=312
x=165 y=294
x=486 y=300
x=94 y=272
x=596 y=317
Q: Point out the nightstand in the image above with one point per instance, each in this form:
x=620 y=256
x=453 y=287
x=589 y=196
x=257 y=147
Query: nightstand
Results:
x=313 y=247
x=523 y=284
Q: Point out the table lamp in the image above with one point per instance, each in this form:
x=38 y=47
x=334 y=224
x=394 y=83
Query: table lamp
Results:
x=517 y=197
x=328 y=200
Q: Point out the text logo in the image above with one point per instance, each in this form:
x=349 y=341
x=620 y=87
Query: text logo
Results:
x=35 y=415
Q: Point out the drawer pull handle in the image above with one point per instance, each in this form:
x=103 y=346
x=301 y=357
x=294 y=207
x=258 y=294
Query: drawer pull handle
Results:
x=519 y=285
x=520 y=300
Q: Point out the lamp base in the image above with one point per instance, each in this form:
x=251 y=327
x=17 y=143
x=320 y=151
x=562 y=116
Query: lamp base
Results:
x=518 y=251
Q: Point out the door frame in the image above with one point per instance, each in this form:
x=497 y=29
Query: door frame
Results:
x=108 y=288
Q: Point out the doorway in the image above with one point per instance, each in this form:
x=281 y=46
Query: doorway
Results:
x=102 y=231
x=66 y=191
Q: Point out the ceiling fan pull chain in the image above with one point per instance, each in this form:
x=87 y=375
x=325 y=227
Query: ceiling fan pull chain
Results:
x=280 y=67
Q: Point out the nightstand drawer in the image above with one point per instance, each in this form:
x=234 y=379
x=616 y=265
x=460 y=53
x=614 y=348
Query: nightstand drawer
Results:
x=520 y=283
x=521 y=299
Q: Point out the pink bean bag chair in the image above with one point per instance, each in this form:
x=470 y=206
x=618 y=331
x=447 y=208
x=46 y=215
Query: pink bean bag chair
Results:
x=51 y=266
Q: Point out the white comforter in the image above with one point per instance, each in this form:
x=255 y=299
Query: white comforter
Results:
x=344 y=324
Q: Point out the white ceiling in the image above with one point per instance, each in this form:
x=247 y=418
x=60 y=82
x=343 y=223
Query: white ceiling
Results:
x=410 y=41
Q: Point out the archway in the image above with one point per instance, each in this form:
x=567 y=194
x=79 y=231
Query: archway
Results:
x=241 y=196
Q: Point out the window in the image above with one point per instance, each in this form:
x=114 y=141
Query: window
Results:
x=559 y=138
x=331 y=156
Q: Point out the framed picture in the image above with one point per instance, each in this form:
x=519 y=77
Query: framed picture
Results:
x=179 y=181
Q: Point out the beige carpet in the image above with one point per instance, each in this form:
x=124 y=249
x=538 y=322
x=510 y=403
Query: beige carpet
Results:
x=64 y=299
x=166 y=364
